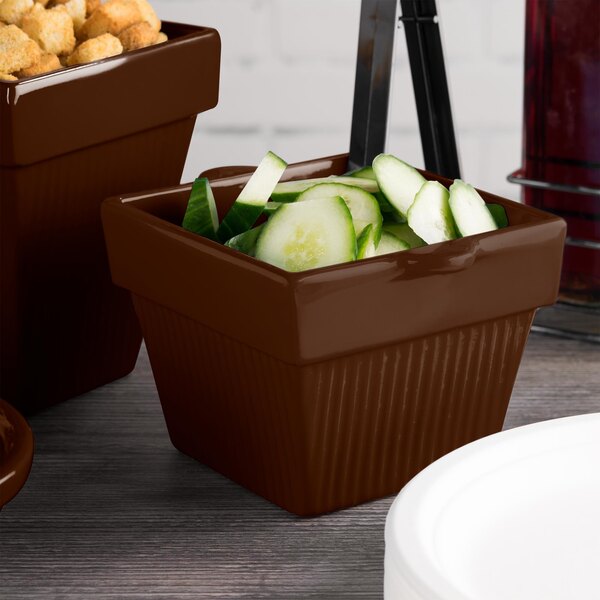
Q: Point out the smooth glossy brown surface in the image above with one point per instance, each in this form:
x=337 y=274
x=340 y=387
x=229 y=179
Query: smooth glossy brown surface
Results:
x=68 y=140
x=16 y=452
x=323 y=389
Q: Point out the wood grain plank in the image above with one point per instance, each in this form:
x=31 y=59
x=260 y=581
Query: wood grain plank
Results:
x=112 y=510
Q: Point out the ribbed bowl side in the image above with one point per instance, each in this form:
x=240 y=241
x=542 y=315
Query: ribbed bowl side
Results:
x=330 y=435
x=227 y=405
x=69 y=328
x=379 y=417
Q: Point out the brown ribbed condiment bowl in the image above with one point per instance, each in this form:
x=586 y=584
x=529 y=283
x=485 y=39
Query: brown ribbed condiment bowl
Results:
x=69 y=139
x=324 y=389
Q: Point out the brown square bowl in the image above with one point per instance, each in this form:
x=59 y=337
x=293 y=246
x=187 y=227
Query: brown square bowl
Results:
x=324 y=389
x=69 y=139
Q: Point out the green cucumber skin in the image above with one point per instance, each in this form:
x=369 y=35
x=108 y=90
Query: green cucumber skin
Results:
x=403 y=232
x=395 y=187
x=239 y=220
x=363 y=173
x=245 y=242
x=201 y=212
x=498 y=213
x=389 y=244
x=288 y=191
x=253 y=197
x=285 y=197
x=350 y=194
x=365 y=244
x=271 y=207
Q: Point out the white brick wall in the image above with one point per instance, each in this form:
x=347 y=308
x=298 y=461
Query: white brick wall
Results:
x=288 y=78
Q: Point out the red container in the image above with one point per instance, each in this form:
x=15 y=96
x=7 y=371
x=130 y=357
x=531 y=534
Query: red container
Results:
x=561 y=155
x=68 y=140
x=324 y=389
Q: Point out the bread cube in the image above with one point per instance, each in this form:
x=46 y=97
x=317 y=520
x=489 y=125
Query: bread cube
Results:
x=91 y=6
x=51 y=29
x=149 y=15
x=12 y=11
x=112 y=17
x=17 y=50
x=161 y=38
x=97 y=48
x=138 y=36
x=7 y=77
x=48 y=62
x=77 y=10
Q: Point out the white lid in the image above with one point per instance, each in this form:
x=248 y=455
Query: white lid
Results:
x=512 y=516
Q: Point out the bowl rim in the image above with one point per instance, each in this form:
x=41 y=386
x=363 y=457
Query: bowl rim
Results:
x=192 y=32
x=15 y=469
x=127 y=202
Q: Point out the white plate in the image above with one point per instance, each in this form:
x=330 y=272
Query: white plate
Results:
x=514 y=516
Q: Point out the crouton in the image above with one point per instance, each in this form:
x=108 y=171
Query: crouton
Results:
x=7 y=77
x=161 y=38
x=77 y=10
x=12 y=11
x=91 y=6
x=112 y=17
x=149 y=15
x=17 y=50
x=43 y=2
x=137 y=36
x=97 y=48
x=48 y=62
x=51 y=29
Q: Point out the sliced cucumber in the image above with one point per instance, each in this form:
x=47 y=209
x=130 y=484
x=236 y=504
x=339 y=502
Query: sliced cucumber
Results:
x=405 y=233
x=245 y=242
x=308 y=235
x=366 y=243
x=390 y=243
x=430 y=216
x=398 y=181
x=363 y=173
x=384 y=206
x=498 y=214
x=271 y=207
x=363 y=206
x=252 y=199
x=469 y=210
x=201 y=212
x=288 y=191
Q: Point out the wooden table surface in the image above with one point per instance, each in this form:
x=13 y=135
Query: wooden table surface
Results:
x=112 y=510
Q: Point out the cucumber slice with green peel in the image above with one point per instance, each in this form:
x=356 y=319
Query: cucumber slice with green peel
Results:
x=398 y=181
x=368 y=173
x=245 y=242
x=201 y=212
x=405 y=233
x=390 y=243
x=363 y=173
x=430 y=216
x=498 y=214
x=271 y=207
x=363 y=206
x=469 y=210
x=288 y=191
x=252 y=199
x=308 y=235
x=366 y=243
